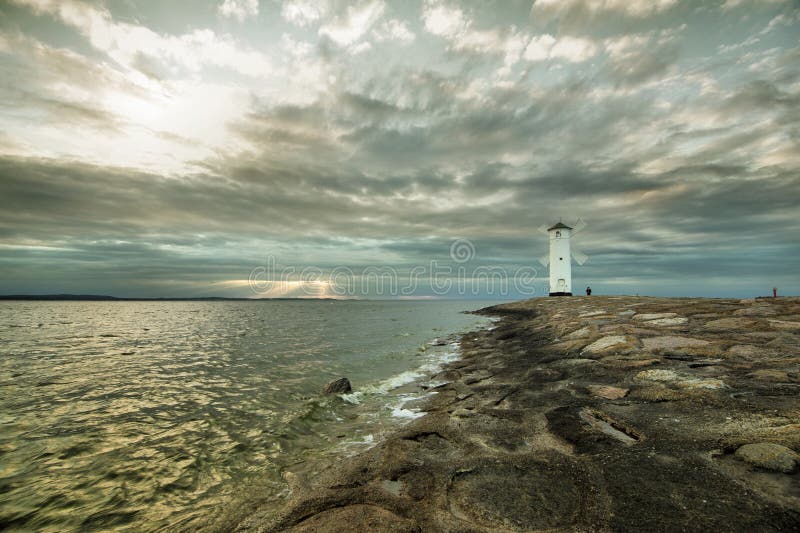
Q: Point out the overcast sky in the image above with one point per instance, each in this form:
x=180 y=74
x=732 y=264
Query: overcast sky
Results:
x=152 y=148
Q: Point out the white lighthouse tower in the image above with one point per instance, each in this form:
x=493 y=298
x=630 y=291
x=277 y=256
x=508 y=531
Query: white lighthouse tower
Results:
x=560 y=269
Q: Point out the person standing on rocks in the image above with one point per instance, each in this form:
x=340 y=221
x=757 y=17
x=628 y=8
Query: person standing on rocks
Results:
x=588 y=291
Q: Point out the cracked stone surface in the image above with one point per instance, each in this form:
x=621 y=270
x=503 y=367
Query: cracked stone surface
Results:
x=623 y=426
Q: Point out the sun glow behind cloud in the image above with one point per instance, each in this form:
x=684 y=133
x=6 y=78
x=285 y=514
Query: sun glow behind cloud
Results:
x=282 y=288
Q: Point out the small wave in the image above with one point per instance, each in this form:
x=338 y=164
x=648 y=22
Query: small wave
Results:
x=400 y=412
x=404 y=378
x=352 y=447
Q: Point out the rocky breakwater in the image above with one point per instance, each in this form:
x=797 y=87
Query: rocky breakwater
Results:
x=591 y=414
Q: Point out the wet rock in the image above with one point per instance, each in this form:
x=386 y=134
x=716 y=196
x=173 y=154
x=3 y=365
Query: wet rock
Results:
x=355 y=518
x=521 y=496
x=338 y=386
x=607 y=391
x=769 y=456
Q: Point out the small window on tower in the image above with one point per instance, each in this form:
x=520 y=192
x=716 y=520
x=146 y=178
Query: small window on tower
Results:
x=558 y=235
x=560 y=258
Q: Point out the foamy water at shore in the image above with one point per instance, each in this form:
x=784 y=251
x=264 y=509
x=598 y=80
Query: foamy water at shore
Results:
x=146 y=415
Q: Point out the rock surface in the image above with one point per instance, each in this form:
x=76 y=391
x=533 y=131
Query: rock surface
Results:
x=534 y=430
x=770 y=456
x=604 y=344
x=338 y=386
x=671 y=341
x=607 y=391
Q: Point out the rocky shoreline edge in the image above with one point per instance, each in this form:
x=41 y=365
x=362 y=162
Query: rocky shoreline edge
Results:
x=587 y=414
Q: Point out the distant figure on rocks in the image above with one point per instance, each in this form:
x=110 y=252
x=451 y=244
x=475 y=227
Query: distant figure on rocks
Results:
x=588 y=291
x=774 y=292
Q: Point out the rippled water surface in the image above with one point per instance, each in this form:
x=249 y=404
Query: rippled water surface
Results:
x=149 y=415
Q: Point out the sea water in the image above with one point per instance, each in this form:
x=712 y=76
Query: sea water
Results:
x=171 y=415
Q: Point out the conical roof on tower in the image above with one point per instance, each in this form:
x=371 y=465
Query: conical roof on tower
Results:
x=559 y=225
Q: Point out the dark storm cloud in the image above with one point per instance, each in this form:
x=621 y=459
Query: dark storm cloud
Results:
x=763 y=95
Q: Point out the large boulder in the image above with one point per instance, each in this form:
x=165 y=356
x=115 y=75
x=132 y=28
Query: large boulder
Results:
x=338 y=386
x=769 y=456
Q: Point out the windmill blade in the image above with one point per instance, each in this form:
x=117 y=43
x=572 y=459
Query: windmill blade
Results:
x=579 y=256
x=579 y=225
x=545 y=259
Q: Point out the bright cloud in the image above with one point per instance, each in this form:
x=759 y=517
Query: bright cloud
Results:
x=444 y=20
x=356 y=21
x=633 y=8
x=128 y=43
x=573 y=49
x=459 y=29
x=452 y=24
x=303 y=12
x=238 y=9
x=393 y=30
